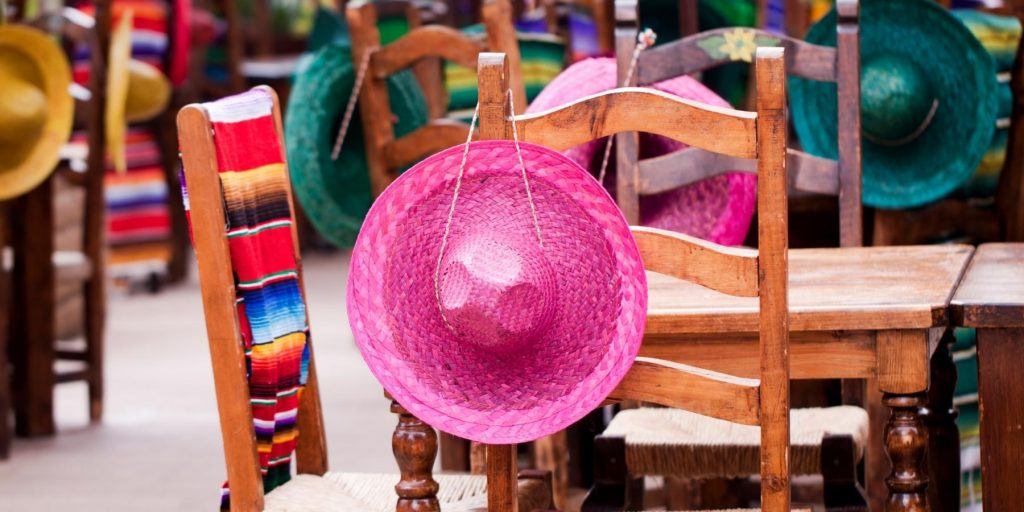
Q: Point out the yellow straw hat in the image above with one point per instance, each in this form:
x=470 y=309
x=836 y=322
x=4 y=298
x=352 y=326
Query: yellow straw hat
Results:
x=136 y=91
x=36 y=109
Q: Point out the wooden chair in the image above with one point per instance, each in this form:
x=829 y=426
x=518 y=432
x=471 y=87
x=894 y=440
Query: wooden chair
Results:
x=385 y=153
x=808 y=174
x=752 y=273
x=79 y=269
x=666 y=434
x=414 y=443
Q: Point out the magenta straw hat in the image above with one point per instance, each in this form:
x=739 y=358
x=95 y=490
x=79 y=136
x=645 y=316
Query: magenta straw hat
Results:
x=508 y=316
x=718 y=209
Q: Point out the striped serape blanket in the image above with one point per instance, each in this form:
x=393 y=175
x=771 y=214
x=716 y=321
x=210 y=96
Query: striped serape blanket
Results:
x=271 y=310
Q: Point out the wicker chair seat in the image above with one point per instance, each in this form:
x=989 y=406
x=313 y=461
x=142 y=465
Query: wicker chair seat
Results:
x=674 y=442
x=368 y=492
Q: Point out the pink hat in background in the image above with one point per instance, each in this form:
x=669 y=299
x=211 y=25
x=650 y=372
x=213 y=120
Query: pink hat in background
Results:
x=718 y=209
x=513 y=314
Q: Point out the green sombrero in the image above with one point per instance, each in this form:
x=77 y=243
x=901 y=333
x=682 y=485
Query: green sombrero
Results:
x=335 y=194
x=928 y=102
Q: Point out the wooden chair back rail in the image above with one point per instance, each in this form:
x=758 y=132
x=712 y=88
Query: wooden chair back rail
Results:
x=685 y=56
x=763 y=273
x=426 y=140
x=223 y=332
x=631 y=109
x=417 y=48
x=841 y=178
x=725 y=269
x=807 y=173
x=424 y=42
x=670 y=384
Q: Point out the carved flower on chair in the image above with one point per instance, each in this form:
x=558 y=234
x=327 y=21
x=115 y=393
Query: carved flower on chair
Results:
x=737 y=44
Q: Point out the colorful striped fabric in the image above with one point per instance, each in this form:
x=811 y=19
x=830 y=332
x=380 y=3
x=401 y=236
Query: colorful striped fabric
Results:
x=965 y=355
x=1000 y=35
x=541 y=59
x=149 y=34
x=271 y=310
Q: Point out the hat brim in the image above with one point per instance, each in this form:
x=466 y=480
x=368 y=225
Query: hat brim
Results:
x=491 y=398
x=963 y=79
x=118 y=77
x=55 y=72
x=335 y=194
x=718 y=209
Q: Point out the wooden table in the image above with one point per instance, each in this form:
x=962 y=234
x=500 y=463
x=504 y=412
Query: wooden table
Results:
x=991 y=299
x=876 y=313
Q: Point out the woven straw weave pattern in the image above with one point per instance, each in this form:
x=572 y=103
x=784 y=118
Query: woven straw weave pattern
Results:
x=682 y=443
x=368 y=492
x=718 y=209
x=574 y=348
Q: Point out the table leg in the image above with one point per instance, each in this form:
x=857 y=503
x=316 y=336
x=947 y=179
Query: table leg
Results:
x=905 y=442
x=1001 y=393
x=939 y=416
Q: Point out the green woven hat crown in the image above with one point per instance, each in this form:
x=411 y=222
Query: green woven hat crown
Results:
x=335 y=194
x=928 y=102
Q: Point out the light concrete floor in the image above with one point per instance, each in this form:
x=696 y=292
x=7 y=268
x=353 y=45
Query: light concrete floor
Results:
x=158 y=446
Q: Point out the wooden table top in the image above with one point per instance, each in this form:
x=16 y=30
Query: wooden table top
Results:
x=992 y=291
x=864 y=288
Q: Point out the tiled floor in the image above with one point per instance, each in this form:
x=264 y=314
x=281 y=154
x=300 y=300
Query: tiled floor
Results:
x=158 y=447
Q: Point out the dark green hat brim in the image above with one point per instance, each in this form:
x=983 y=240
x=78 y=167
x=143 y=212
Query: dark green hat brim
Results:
x=335 y=194
x=962 y=77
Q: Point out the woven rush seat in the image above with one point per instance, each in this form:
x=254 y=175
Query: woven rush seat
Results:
x=369 y=492
x=682 y=443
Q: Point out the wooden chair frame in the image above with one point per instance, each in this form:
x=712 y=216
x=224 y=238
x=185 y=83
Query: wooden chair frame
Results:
x=216 y=275
x=807 y=173
x=384 y=152
x=414 y=443
x=761 y=273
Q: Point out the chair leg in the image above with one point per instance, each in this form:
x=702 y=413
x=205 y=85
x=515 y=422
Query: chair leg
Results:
x=843 y=492
x=94 y=325
x=614 y=488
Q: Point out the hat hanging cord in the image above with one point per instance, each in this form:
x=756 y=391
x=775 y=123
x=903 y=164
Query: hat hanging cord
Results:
x=350 y=108
x=644 y=40
x=458 y=187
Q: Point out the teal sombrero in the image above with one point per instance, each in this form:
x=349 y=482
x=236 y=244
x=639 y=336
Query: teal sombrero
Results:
x=335 y=194
x=928 y=102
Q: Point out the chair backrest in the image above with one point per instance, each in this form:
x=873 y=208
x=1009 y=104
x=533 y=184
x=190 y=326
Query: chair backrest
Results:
x=240 y=204
x=759 y=135
x=691 y=54
x=385 y=153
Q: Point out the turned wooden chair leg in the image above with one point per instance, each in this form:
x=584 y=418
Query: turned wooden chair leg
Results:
x=414 y=444
x=843 y=492
x=905 y=443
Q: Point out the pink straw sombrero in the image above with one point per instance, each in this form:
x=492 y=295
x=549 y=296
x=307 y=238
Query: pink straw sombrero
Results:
x=718 y=209
x=532 y=315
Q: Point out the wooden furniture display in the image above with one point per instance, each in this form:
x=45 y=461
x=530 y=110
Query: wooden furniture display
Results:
x=808 y=174
x=34 y=286
x=385 y=154
x=414 y=443
x=759 y=276
x=991 y=299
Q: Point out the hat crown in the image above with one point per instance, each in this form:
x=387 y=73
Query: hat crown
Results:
x=497 y=293
x=896 y=97
x=23 y=109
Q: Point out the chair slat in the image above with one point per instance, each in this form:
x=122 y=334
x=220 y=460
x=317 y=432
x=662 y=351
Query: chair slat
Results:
x=423 y=42
x=693 y=389
x=807 y=173
x=725 y=269
x=425 y=140
x=634 y=109
x=698 y=53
